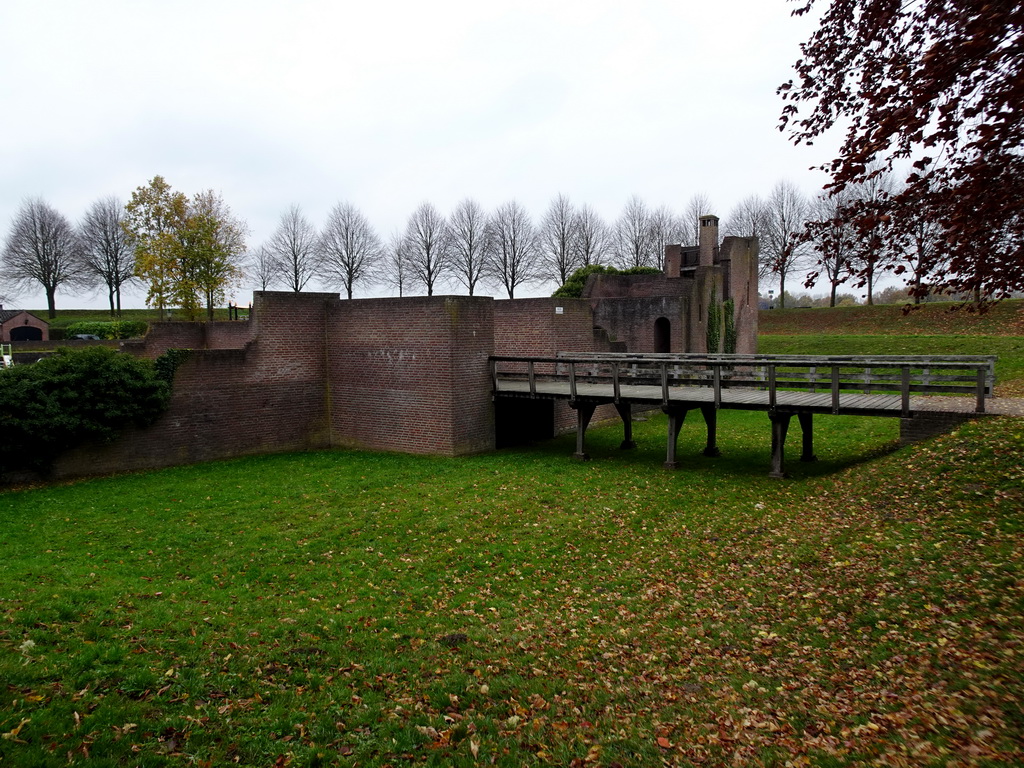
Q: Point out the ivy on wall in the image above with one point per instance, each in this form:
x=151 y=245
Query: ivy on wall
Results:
x=729 y=311
x=714 y=324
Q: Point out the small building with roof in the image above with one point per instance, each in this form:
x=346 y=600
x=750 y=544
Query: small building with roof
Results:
x=19 y=325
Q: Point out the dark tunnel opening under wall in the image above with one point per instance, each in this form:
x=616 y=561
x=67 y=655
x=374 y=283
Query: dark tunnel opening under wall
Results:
x=521 y=422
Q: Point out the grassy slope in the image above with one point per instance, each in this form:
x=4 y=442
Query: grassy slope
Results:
x=66 y=317
x=1003 y=319
x=934 y=330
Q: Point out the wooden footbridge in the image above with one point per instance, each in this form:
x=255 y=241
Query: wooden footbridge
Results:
x=781 y=385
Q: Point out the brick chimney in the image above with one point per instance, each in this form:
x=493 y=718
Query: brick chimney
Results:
x=708 y=240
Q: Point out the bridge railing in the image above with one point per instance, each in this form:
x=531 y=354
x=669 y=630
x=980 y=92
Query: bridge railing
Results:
x=901 y=375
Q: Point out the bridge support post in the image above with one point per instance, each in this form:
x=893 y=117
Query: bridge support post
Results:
x=780 y=426
x=584 y=412
x=626 y=413
x=676 y=416
x=711 y=420
x=807 y=428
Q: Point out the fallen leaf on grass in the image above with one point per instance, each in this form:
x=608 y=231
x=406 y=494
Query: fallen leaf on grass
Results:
x=12 y=735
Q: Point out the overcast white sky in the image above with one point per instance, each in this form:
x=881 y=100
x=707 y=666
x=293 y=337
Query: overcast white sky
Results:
x=389 y=104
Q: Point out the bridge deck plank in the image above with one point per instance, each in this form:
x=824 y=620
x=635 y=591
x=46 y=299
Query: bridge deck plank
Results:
x=741 y=399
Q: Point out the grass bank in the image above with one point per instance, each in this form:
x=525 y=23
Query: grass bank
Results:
x=1009 y=349
x=66 y=317
x=346 y=608
x=940 y=319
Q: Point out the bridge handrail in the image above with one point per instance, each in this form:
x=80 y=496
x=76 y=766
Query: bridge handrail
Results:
x=934 y=374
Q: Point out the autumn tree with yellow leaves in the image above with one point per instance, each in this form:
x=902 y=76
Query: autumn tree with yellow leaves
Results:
x=187 y=251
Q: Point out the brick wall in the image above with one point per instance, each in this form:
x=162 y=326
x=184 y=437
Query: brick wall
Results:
x=221 y=407
x=632 y=321
x=537 y=327
x=742 y=253
x=269 y=396
x=635 y=286
x=309 y=370
x=412 y=374
x=182 y=335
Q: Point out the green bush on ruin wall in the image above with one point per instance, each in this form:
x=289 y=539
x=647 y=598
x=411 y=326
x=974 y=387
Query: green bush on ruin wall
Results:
x=572 y=288
x=74 y=397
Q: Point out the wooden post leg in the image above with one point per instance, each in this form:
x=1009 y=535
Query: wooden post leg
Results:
x=807 y=428
x=626 y=413
x=780 y=426
x=584 y=411
x=676 y=417
x=711 y=420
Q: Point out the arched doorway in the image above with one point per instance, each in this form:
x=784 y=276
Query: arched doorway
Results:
x=662 y=335
x=26 y=333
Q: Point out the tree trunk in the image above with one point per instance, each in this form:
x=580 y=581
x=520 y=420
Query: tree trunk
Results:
x=51 y=302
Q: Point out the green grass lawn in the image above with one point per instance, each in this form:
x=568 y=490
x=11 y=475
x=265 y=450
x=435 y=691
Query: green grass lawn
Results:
x=518 y=608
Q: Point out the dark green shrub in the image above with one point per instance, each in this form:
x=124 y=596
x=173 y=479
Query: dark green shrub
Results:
x=117 y=329
x=573 y=286
x=73 y=397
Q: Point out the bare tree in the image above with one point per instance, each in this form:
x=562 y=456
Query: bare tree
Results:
x=42 y=248
x=468 y=239
x=833 y=239
x=632 y=236
x=922 y=255
x=106 y=253
x=699 y=205
x=395 y=270
x=426 y=247
x=666 y=229
x=876 y=244
x=349 y=248
x=589 y=238
x=749 y=218
x=294 y=249
x=783 y=245
x=515 y=252
x=556 y=240
x=262 y=267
